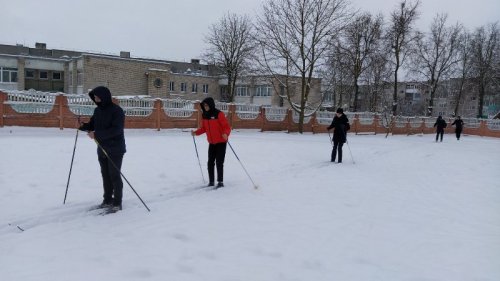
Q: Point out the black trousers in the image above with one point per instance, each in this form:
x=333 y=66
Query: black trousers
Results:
x=111 y=179
x=439 y=134
x=337 y=146
x=458 y=132
x=216 y=155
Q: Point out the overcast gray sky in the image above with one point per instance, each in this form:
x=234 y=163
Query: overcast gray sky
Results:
x=172 y=29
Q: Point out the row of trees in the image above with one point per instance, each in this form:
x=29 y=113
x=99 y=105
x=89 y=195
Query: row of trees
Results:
x=327 y=39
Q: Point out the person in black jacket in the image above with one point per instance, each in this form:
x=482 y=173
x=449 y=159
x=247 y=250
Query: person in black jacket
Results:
x=106 y=127
x=340 y=126
x=459 y=125
x=440 y=125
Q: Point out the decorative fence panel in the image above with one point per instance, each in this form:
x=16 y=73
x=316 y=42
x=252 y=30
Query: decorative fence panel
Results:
x=275 y=114
x=324 y=117
x=81 y=105
x=31 y=101
x=178 y=108
x=247 y=111
x=295 y=117
x=366 y=118
x=137 y=107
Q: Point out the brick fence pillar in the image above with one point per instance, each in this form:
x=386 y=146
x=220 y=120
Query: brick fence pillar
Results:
x=3 y=98
x=157 y=108
x=61 y=101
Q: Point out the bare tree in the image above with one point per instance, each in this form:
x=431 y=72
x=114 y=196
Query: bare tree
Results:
x=484 y=47
x=339 y=77
x=230 y=47
x=294 y=36
x=399 y=36
x=360 y=40
x=375 y=78
x=463 y=68
x=437 y=54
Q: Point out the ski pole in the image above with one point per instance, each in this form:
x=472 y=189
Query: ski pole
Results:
x=198 y=156
x=114 y=165
x=254 y=185
x=71 y=166
x=350 y=152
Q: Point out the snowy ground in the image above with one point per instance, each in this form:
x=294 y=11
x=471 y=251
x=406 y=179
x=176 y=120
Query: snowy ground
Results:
x=407 y=209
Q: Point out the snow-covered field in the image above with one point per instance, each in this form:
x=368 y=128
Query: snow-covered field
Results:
x=407 y=209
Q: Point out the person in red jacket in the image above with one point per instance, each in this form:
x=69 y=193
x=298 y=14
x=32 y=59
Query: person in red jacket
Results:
x=215 y=125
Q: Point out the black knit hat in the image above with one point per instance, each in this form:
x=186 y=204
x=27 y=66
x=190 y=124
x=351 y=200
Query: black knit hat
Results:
x=340 y=110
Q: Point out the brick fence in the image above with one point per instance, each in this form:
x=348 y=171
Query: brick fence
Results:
x=36 y=109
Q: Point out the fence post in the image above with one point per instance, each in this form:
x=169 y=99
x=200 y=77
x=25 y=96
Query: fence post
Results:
x=3 y=98
x=313 y=122
x=289 y=120
x=263 y=116
x=60 y=104
x=482 y=128
x=231 y=112
x=158 y=107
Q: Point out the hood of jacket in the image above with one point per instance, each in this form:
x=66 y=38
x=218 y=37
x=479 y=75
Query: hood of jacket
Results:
x=104 y=94
x=212 y=112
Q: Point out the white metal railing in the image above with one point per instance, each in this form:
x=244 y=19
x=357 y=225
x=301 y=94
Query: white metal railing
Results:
x=31 y=101
x=429 y=121
x=136 y=106
x=324 y=117
x=178 y=107
x=400 y=121
x=385 y=120
x=81 y=105
x=471 y=123
x=275 y=114
x=247 y=111
x=493 y=124
x=222 y=106
x=295 y=117
x=366 y=118
x=415 y=122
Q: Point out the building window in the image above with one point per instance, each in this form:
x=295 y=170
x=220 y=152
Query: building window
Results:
x=30 y=74
x=56 y=75
x=242 y=91
x=8 y=75
x=158 y=82
x=194 y=88
x=205 y=88
x=171 y=86
x=183 y=87
x=44 y=75
x=263 y=91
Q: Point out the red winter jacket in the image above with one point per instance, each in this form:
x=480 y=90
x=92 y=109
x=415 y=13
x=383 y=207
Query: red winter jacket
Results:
x=214 y=127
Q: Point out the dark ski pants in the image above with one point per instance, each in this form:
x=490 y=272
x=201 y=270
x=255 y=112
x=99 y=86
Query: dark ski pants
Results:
x=439 y=134
x=111 y=179
x=337 y=146
x=216 y=155
x=458 y=132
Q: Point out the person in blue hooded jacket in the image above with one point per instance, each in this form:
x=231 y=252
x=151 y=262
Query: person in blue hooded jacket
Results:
x=340 y=126
x=106 y=126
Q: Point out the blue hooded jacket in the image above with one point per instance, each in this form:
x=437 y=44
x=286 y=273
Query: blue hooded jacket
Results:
x=107 y=122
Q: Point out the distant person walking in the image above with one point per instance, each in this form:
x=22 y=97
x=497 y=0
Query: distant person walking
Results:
x=459 y=125
x=215 y=125
x=440 y=125
x=106 y=126
x=340 y=126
